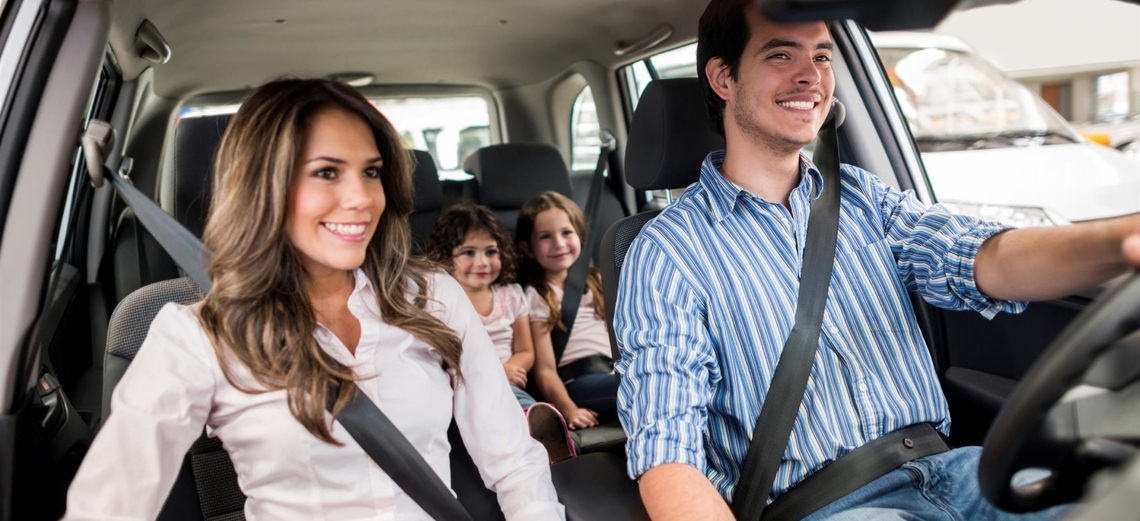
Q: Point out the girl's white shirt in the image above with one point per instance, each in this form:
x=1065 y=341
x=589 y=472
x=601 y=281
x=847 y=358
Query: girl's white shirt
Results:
x=175 y=387
x=508 y=304
x=589 y=336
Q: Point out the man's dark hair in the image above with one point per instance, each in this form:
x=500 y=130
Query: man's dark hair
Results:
x=722 y=33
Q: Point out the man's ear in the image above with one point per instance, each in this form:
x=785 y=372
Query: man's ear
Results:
x=717 y=73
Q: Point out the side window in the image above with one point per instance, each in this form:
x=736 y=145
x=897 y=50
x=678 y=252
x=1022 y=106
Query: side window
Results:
x=585 y=133
x=676 y=63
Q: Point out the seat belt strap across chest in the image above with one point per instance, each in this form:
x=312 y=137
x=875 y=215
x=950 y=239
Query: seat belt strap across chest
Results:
x=782 y=403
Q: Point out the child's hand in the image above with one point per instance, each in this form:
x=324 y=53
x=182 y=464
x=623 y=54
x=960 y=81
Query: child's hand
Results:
x=579 y=418
x=515 y=375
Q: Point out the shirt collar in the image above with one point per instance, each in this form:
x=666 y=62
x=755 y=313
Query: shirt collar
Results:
x=723 y=194
x=361 y=281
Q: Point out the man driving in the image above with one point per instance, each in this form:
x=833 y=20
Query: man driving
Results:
x=708 y=296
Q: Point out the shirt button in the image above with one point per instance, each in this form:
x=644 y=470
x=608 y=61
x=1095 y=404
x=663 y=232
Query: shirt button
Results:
x=862 y=388
x=834 y=330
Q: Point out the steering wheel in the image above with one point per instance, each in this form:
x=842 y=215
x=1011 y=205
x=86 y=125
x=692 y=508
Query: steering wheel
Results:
x=1043 y=425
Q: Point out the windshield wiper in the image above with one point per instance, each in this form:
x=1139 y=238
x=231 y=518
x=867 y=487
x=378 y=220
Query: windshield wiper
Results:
x=1028 y=134
x=947 y=143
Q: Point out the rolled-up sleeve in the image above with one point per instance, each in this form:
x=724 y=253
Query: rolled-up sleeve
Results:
x=935 y=249
x=493 y=427
x=666 y=361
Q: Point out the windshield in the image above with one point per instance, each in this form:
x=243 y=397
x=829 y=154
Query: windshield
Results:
x=952 y=96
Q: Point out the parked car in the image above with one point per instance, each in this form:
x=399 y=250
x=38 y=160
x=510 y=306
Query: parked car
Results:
x=994 y=149
x=1122 y=135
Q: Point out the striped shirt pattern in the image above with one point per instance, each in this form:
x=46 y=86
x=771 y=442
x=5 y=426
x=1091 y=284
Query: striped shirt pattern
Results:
x=707 y=298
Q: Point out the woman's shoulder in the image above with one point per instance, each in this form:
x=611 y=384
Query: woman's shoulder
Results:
x=182 y=318
x=442 y=286
x=178 y=328
x=443 y=293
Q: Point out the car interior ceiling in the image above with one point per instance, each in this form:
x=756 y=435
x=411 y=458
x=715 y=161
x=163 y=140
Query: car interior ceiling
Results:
x=531 y=94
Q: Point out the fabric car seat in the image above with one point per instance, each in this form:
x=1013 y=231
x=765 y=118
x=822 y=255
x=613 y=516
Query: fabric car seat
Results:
x=428 y=200
x=668 y=140
x=138 y=259
x=509 y=174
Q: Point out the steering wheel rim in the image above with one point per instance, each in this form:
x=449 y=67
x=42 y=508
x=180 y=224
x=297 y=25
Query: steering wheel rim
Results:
x=1015 y=429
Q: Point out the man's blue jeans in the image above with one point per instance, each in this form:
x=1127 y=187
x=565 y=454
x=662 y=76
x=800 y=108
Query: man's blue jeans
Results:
x=939 y=487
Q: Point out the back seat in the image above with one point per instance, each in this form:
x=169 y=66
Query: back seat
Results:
x=429 y=198
x=139 y=260
x=509 y=174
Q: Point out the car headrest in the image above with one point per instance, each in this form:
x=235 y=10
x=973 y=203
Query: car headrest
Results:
x=670 y=136
x=196 y=142
x=511 y=173
x=429 y=191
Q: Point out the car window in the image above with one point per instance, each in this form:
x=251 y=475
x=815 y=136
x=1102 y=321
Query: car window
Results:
x=585 y=133
x=448 y=127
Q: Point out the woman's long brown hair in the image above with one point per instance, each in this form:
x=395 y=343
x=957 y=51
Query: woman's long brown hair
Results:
x=531 y=271
x=258 y=313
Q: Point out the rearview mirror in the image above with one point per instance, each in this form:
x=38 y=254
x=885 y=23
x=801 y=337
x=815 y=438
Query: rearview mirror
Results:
x=876 y=15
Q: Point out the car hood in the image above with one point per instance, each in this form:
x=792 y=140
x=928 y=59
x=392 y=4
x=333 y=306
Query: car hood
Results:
x=1080 y=181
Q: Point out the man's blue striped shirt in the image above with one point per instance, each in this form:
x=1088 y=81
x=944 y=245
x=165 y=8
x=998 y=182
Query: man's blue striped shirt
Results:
x=707 y=299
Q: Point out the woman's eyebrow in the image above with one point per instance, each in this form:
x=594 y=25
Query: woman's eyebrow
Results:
x=339 y=161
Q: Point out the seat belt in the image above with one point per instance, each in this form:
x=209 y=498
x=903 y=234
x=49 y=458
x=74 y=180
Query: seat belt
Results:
x=575 y=283
x=785 y=393
x=392 y=451
x=365 y=422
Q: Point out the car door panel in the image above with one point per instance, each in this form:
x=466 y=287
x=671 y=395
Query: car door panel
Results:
x=42 y=120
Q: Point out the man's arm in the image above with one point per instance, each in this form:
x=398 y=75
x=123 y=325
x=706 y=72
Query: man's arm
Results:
x=665 y=389
x=1045 y=263
x=676 y=491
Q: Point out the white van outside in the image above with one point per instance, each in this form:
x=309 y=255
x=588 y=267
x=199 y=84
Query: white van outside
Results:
x=994 y=149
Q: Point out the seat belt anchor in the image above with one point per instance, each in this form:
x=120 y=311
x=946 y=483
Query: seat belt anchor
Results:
x=97 y=141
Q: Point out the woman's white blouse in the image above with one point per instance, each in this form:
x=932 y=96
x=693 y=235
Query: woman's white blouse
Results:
x=175 y=386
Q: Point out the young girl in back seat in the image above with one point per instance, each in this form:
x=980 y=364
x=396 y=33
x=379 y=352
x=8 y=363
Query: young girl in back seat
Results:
x=581 y=384
x=473 y=245
x=470 y=242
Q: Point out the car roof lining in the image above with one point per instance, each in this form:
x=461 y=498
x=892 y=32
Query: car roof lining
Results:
x=221 y=45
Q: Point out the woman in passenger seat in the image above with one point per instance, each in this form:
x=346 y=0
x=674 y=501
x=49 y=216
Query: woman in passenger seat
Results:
x=473 y=245
x=314 y=293
x=582 y=383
